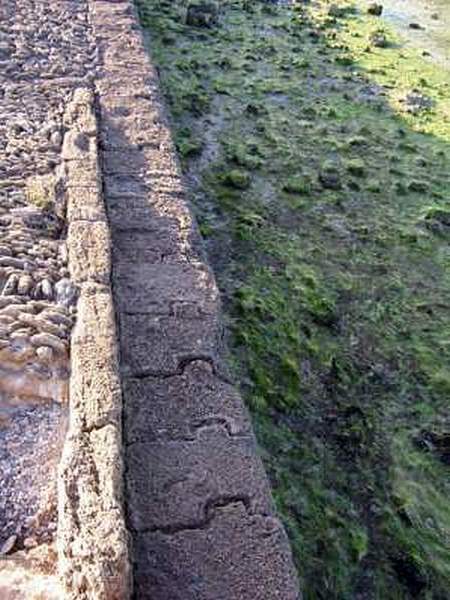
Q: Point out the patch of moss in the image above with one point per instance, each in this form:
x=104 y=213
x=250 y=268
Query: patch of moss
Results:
x=237 y=179
x=243 y=155
x=418 y=186
x=297 y=185
x=187 y=144
x=356 y=167
x=329 y=175
x=374 y=186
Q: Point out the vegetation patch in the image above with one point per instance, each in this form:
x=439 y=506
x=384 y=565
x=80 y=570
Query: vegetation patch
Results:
x=40 y=192
x=320 y=177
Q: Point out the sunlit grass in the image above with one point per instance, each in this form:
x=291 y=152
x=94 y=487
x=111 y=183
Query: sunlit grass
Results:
x=336 y=295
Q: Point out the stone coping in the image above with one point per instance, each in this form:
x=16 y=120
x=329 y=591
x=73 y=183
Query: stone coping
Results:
x=92 y=540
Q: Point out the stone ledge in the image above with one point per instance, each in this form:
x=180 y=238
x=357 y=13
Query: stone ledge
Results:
x=92 y=541
x=198 y=501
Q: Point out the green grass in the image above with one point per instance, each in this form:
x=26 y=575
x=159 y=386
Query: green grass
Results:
x=325 y=210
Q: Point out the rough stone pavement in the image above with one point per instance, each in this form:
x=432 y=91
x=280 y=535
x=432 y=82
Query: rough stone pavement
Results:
x=199 y=512
x=45 y=52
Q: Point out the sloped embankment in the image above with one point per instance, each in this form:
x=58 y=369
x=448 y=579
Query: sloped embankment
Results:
x=317 y=149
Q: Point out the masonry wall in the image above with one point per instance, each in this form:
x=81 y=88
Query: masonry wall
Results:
x=160 y=490
x=198 y=504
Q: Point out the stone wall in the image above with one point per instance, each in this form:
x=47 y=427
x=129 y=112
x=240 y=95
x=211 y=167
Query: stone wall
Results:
x=199 y=509
x=161 y=493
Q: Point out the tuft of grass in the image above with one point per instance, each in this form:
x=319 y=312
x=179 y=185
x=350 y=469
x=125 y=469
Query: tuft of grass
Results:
x=237 y=179
x=40 y=191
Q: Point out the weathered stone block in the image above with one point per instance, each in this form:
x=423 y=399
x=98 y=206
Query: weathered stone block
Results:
x=85 y=204
x=125 y=162
x=114 y=84
x=124 y=186
x=233 y=555
x=83 y=173
x=177 y=407
x=89 y=252
x=120 y=132
x=175 y=483
x=79 y=115
x=79 y=145
x=144 y=288
x=162 y=214
x=92 y=540
x=162 y=345
x=166 y=243
x=95 y=393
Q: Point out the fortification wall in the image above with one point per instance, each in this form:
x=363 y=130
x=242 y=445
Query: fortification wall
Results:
x=160 y=490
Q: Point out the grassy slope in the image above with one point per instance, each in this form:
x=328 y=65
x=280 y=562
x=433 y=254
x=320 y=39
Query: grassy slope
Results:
x=337 y=298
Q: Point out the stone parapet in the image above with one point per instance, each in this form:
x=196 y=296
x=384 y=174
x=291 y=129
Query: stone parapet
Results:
x=198 y=503
x=92 y=539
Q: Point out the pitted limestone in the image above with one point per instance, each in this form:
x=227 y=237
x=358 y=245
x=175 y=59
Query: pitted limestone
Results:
x=46 y=50
x=199 y=506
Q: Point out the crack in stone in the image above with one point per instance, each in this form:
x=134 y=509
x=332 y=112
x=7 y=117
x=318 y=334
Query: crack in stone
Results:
x=212 y=507
x=183 y=364
x=219 y=424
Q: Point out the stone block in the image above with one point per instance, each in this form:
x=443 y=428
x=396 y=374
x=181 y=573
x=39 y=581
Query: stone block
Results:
x=143 y=288
x=88 y=245
x=176 y=407
x=233 y=556
x=95 y=393
x=85 y=204
x=176 y=483
x=161 y=345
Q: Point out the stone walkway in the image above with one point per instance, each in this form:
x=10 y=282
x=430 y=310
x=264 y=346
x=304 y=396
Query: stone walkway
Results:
x=45 y=52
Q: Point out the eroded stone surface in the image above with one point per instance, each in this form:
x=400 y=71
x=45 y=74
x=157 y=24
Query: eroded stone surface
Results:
x=92 y=539
x=175 y=484
x=178 y=407
x=30 y=575
x=198 y=502
x=233 y=556
x=46 y=52
x=30 y=447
